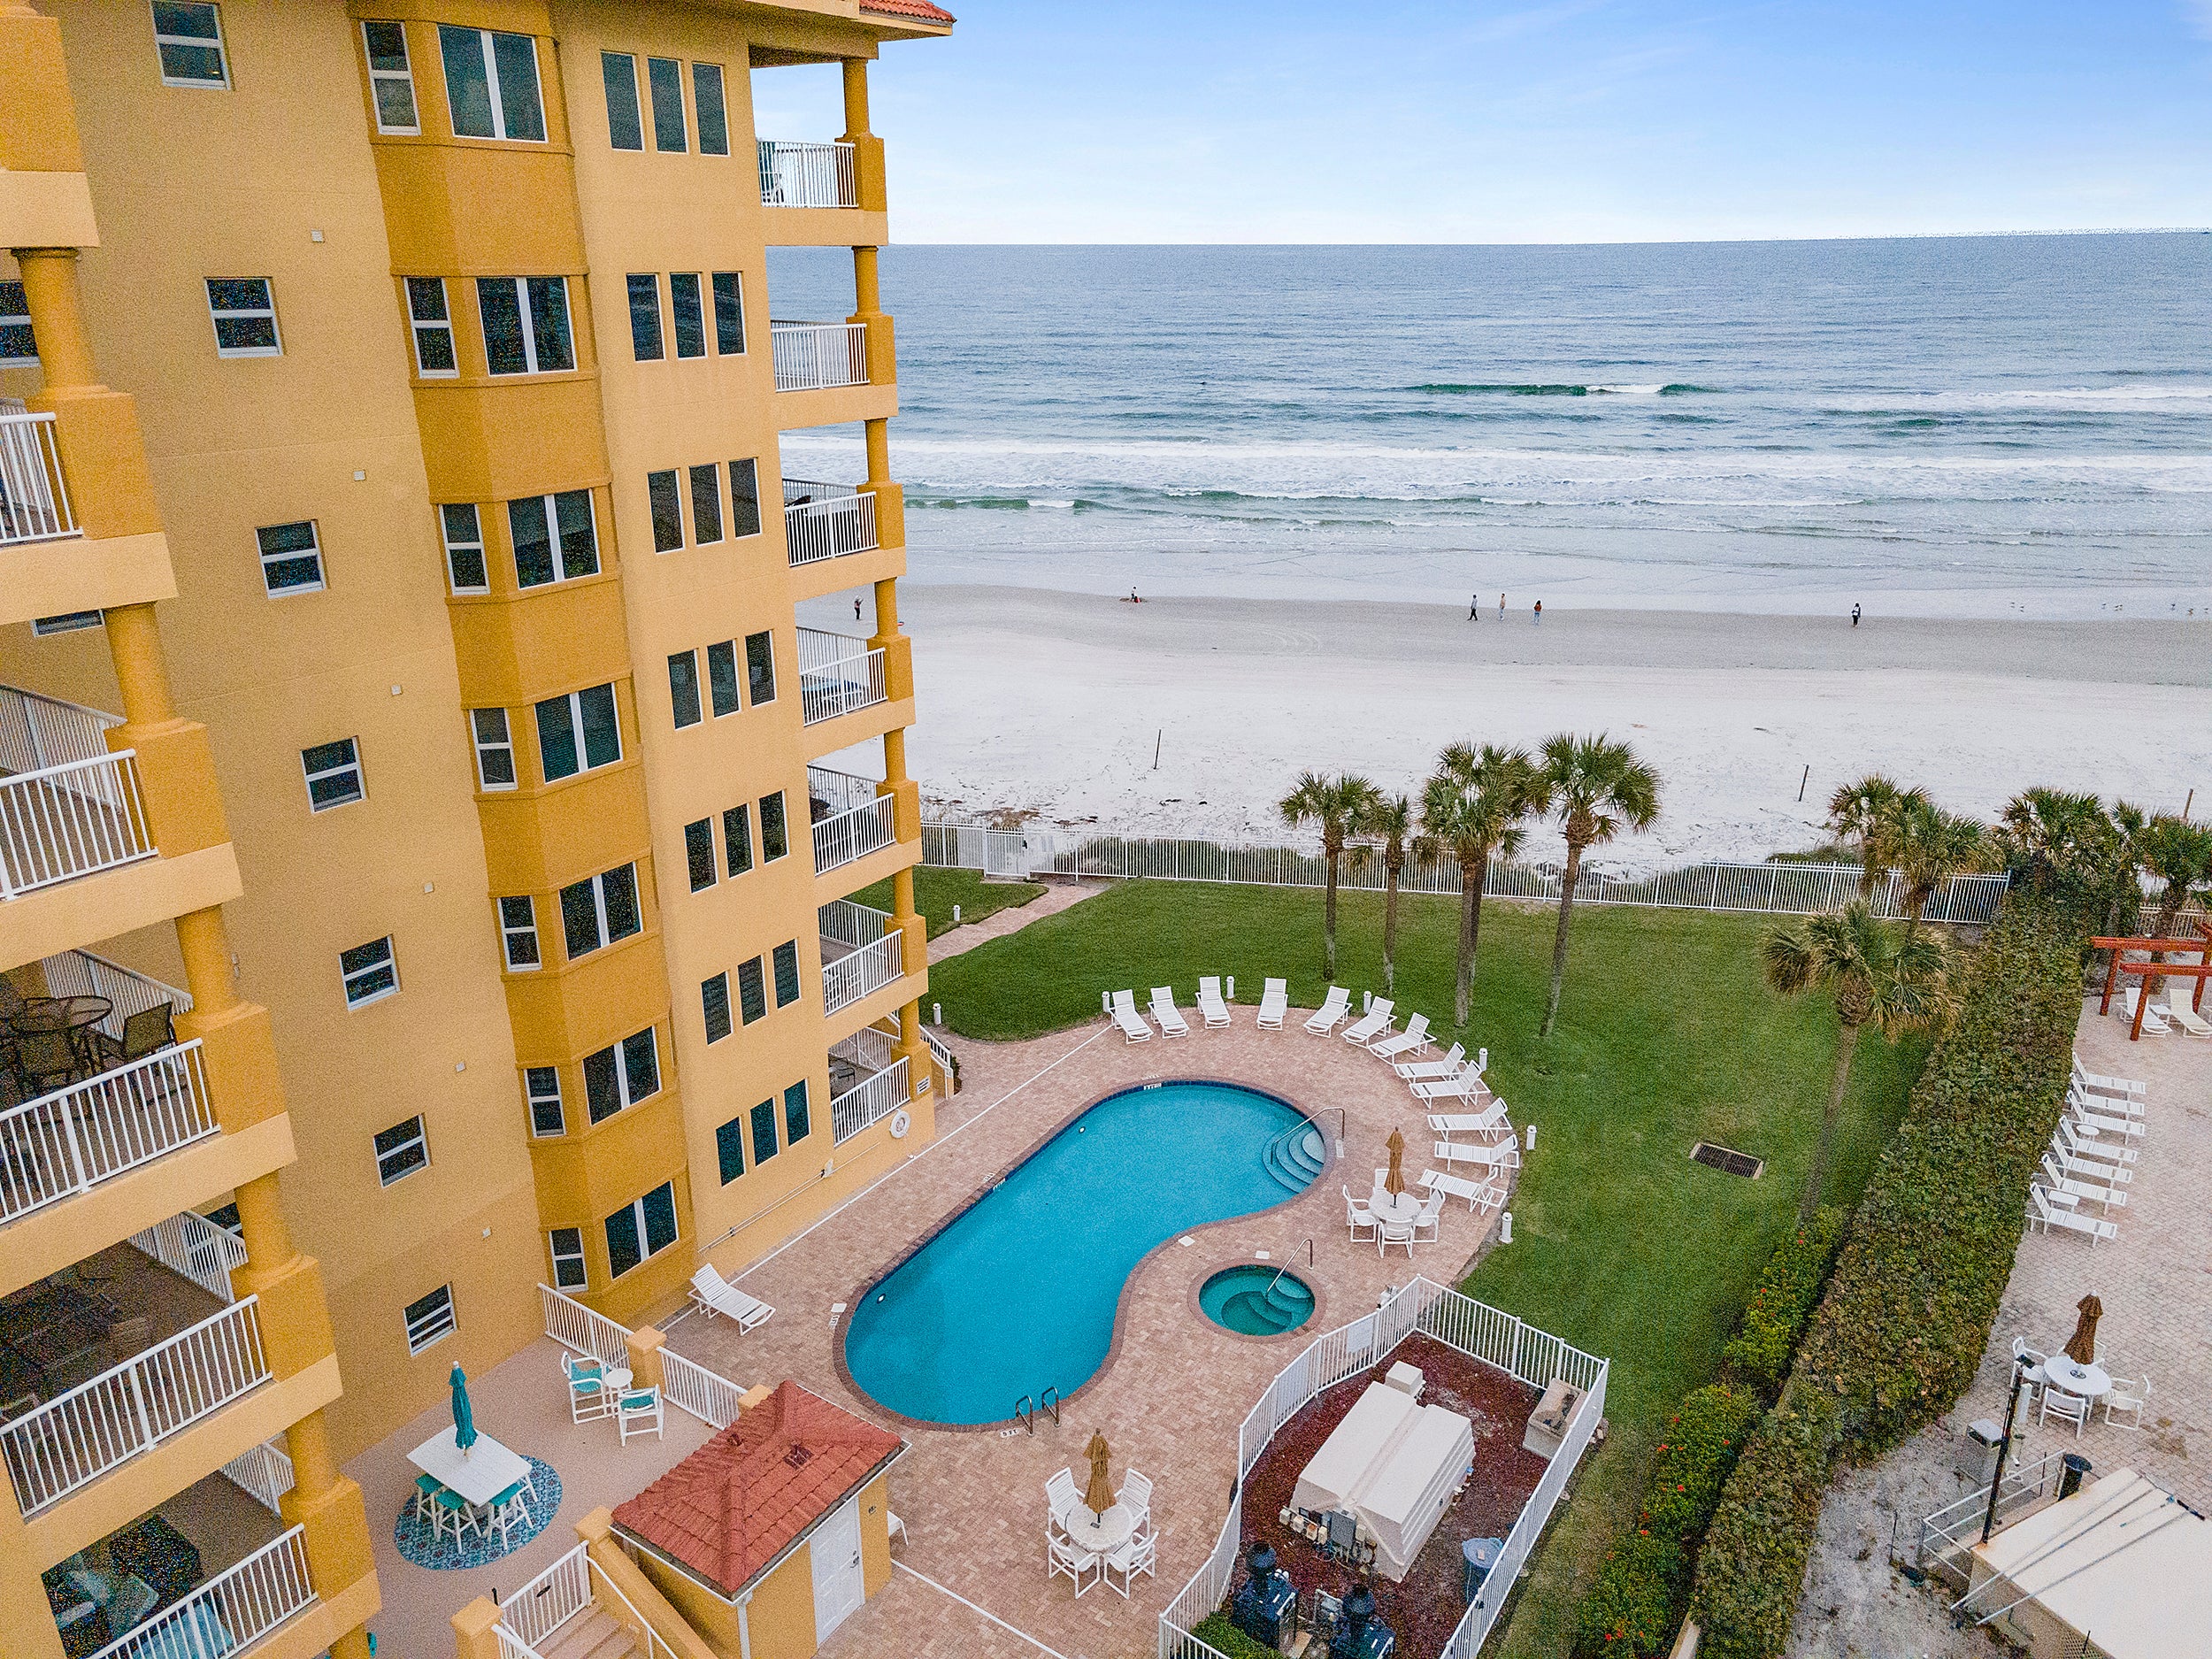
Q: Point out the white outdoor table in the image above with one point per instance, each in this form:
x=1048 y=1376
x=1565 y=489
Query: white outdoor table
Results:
x=1099 y=1533
x=1398 y=1206
x=2091 y=1382
x=618 y=1378
x=485 y=1471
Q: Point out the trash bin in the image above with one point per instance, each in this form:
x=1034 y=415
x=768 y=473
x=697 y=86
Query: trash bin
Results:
x=2076 y=1466
x=1476 y=1557
x=1976 y=1463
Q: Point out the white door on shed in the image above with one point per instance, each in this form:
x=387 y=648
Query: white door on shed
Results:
x=840 y=1586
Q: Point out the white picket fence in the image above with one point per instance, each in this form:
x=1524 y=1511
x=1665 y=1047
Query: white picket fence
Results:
x=61 y=822
x=34 y=498
x=231 y=1611
x=827 y=521
x=75 y=1138
x=806 y=175
x=191 y=1245
x=814 y=356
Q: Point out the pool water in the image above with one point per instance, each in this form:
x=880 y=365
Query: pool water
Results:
x=1257 y=1300
x=1019 y=1291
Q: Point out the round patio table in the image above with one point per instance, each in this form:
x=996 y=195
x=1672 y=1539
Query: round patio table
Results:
x=1099 y=1533
x=2091 y=1382
x=1398 y=1206
x=74 y=1016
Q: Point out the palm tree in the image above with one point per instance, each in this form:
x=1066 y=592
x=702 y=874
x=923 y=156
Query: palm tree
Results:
x=1473 y=808
x=1866 y=814
x=1336 y=805
x=1387 y=823
x=2180 y=853
x=2062 y=841
x=1929 y=846
x=1894 y=980
x=1597 y=787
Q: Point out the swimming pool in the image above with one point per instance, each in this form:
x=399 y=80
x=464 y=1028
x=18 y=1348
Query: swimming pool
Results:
x=1018 y=1291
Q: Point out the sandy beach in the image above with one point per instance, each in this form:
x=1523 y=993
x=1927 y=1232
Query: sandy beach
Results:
x=1052 y=704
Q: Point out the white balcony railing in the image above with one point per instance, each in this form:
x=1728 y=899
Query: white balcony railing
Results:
x=72 y=1140
x=33 y=500
x=37 y=732
x=264 y=1474
x=77 y=1436
x=854 y=835
x=192 y=1246
x=866 y=1102
x=827 y=521
x=128 y=991
x=858 y=973
x=692 y=1387
x=61 y=822
x=838 y=674
x=232 y=1610
x=847 y=924
x=812 y=356
x=806 y=175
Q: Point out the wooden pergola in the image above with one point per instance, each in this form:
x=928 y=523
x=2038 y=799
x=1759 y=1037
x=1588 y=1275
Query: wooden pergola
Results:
x=2148 y=968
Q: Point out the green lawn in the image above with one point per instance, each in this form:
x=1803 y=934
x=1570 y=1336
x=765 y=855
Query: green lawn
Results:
x=937 y=891
x=1666 y=1035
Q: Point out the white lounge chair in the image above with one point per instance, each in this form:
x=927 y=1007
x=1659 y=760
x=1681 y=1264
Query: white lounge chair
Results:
x=1490 y=1120
x=1331 y=1014
x=2047 y=1210
x=2103 y=1149
x=1125 y=1016
x=1215 y=1011
x=717 y=1295
x=2091 y=1192
x=2153 y=1022
x=2106 y=1123
x=1274 y=1002
x=2111 y=1105
x=1479 y=1194
x=1467 y=1086
x=1412 y=1040
x=1429 y=1070
x=1374 y=1023
x=2088 y=1169
x=2099 y=1083
x=1505 y=1156
x=1170 y=1018
x=2177 y=1009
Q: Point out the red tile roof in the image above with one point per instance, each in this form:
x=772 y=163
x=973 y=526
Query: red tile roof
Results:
x=728 y=1511
x=921 y=8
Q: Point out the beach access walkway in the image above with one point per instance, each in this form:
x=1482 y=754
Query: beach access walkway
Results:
x=1057 y=896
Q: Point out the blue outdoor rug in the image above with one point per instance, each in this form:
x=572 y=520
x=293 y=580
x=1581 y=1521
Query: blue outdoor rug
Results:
x=441 y=1553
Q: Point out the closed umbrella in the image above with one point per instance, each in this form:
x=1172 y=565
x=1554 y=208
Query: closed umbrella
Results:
x=1098 y=1497
x=464 y=1414
x=2081 y=1347
x=1394 y=1182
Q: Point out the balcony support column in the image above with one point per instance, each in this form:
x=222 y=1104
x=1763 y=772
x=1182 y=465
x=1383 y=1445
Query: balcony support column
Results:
x=869 y=191
x=882 y=350
x=329 y=1506
x=103 y=456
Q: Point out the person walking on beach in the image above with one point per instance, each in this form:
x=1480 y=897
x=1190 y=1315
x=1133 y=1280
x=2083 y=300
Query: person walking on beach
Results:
x=856 y=610
x=1540 y=610
x=1855 y=615
x=1500 y=607
x=1474 y=607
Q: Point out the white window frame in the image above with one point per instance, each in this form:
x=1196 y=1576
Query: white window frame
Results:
x=532 y=1100
x=314 y=551
x=502 y=745
x=584 y=762
x=624 y=1099
x=529 y=328
x=636 y=1207
x=418 y=325
x=406 y=73
x=483 y=557
x=15 y=311
x=389 y=963
x=555 y=548
x=491 y=83
x=516 y=926
x=218 y=315
x=561 y=1258
x=222 y=53
x=352 y=764
x=598 y=886
x=432 y=1325
x=420 y=1142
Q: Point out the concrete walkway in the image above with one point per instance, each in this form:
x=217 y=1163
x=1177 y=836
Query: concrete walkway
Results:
x=1057 y=896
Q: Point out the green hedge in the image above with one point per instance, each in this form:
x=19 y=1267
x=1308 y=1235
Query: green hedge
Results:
x=1784 y=1300
x=1217 y=1632
x=1752 y=1565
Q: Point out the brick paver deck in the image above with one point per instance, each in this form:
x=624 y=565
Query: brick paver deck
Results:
x=1175 y=1389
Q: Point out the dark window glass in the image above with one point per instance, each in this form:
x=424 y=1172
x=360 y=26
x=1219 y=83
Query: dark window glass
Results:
x=603 y=738
x=729 y=1150
x=189 y=39
x=706 y=97
x=468 y=91
x=602 y=1086
x=645 y=316
x=737 y=840
x=660 y=1218
x=729 y=314
x=666 y=495
x=722 y=677
x=568 y=1258
x=714 y=1002
x=502 y=311
x=706 y=503
x=533 y=540
x=772 y=844
x=389 y=77
x=744 y=498
x=548 y=323
x=333 y=774
x=760 y=668
x=289 y=557
x=764 y=1131
x=579 y=533
x=666 y=76
x=400 y=1151
x=641 y=1063
x=18 y=347
x=494 y=750
x=794 y=1117
x=683 y=306
x=465 y=549
x=556 y=740
x=699 y=852
x=579 y=918
x=683 y=688
x=618 y=891
x=624 y=1251
x=618 y=70
x=786 y=956
x=752 y=993
x=543 y=1085
x=433 y=332
x=516 y=56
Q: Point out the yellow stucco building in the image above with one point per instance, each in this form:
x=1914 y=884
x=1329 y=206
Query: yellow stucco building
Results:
x=466 y=795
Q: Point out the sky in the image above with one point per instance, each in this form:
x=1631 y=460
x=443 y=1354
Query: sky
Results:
x=1578 y=120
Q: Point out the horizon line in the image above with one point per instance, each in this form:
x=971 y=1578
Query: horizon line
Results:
x=1630 y=241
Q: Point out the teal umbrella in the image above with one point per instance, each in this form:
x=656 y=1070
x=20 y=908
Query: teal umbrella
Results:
x=464 y=1414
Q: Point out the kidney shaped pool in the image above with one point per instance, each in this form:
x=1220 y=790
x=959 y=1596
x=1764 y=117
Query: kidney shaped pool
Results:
x=1018 y=1291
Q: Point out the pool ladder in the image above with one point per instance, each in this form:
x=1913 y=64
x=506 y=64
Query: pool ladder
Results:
x=1027 y=1413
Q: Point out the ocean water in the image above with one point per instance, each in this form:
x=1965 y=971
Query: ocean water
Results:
x=1984 y=426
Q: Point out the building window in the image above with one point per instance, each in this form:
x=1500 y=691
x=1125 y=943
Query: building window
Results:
x=760 y=668
x=543 y=348
x=291 y=558
x=495 y=748
x=744 y=498
x=714 y=1004
x=390 y=79
x=621 y=1074
x=434 y=356
x=554 y=538
x=706 y=504
x=683 y=688
x=722 y=677
x=401 y=1150
x=333 y=774
x=764 y=1131
x=491 y=84
x=786 y=957
x=645 y=317
x=641 y=1231
x=578 y=732
x=67 y=622
x=19 y=346
x=542 y=1088
x=518 y=933
x=684 y=303
x=752 y=992
x=729 y=314
x=794 y=1113
x=599 y=911
x=567 y=1247
x=244 y=311
x=737 y=840
x=430 y=1319
x=625 y=130
x=699 y=852
x=189 y=39
x=666 y=496
x=729 y=1150
x=714 y=121
x=665 y=77
x=369 y=972
x=464 y=559
x=774 y=844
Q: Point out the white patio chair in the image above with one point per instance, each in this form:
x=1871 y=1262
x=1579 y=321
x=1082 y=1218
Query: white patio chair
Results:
x=718 y=1296
x=1504 y=1155
x=1131 y=1558
x=2047 y=1210
x=2097 y=1193
x=1274 y=1003
x=1479 y=1194
x=2177 y=1009
x=1412 y=1040
x=1210 y=1007
x=1390 y=1233
x=449 y=1510
x=1430 y=1070
x=1430 y=1220
x=1125 y=1016
x=639 y=1413
x=2154 y=1023
x=2128 y=1396
x=589 y=1398
x=1331 y=1014
x=1374 y=1023
x=1358 y=1217
x=1062 y=1559
x=2068 y=1408
x=1060 y=1496
x=1136 y=1497
x=2033 y=1357
x=1169 y=1017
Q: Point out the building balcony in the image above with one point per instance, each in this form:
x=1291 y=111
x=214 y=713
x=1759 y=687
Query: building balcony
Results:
x=33 y=500
x=862 y=951
x=867 y=1084
x=816 y=356
x=838 y=674
x=850 y=819
x=226 y=1614
x=69 y=805
x=806 y=176
x=827 y=521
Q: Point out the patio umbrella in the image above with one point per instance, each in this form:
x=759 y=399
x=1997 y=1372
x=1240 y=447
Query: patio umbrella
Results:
x=464 y=1414
x=2081 y=1347
x=1394 y=1182
x=1098 y=1497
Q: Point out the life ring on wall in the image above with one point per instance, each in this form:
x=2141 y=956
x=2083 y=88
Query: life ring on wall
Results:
x=900 y=1122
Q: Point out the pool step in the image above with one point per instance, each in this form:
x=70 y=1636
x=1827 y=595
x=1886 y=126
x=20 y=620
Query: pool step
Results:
x=1291 y=1299
x=1295 y=1158
x=1254 y=1310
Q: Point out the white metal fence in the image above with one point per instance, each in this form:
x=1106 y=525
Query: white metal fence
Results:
x=850 y=922
x=76 y=1437
x=264 y=1474
x=191 y=1245
x=38 y=732
x=859 y=972
x=232 y=1610
x=827 y=521
x=813 y=356
x=580 y=1331
x=1948 y=1536
x=80 y=973
x=806 y=175
x=692 y=1387
x=869 y=1102
x=846 y=836
x=90 y=1131
x=34 y=500
x=838 y=674
x=69 y=820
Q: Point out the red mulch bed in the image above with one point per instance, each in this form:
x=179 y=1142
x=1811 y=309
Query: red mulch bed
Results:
x=1427 y=1606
